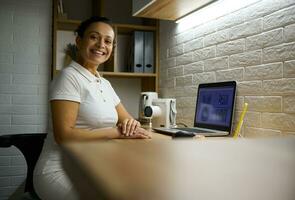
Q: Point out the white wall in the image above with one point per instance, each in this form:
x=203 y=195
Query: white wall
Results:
x=254 y=46
x=128 y=91
x=25 y=60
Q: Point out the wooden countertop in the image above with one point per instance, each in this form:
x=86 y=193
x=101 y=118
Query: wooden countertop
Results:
x=162 y=168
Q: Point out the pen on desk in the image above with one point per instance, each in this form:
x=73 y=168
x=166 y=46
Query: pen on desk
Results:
x=241 y=120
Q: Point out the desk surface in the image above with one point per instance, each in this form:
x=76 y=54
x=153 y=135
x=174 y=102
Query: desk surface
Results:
x=183 y=168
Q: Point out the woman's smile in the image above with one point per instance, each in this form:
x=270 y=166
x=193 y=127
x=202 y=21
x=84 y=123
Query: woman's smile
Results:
x=96 y=46
x=97 y=52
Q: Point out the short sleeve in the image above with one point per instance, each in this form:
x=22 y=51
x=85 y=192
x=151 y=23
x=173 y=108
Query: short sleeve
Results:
x=65 y=87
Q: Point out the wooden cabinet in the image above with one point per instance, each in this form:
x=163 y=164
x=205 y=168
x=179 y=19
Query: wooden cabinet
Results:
x=166 y=9
x=63 y=28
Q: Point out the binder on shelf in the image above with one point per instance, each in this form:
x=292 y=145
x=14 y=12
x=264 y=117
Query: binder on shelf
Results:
x=142 y=53
x=148 y=63
x=138 y=52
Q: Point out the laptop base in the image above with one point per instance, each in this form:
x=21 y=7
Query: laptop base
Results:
x=189 y=132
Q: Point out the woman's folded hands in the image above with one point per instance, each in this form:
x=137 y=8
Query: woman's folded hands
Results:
x=131 y=128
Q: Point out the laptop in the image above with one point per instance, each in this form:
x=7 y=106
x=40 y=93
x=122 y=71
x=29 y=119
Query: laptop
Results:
x=213 y=114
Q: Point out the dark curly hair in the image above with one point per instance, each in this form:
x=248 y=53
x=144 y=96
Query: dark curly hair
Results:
x=85 y=24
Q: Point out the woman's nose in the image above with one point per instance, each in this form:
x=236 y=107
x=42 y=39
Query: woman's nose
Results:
x=100 y=42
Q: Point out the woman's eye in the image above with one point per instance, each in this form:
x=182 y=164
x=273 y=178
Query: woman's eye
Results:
x=93 y=37
x=108 y=41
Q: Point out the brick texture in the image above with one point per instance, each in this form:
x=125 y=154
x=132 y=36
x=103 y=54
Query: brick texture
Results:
x=266 y=39
x=289 y=104
x=254 y=46
x=289 y=69
x=25 y=57
x=289 y=33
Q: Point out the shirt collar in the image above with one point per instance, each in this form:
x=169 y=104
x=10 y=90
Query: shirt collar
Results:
x=84 y=72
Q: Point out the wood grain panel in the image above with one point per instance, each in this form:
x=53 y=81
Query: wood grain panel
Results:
x=172 y=9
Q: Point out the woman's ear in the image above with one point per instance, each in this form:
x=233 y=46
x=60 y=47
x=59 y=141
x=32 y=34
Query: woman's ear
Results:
x=78 y=42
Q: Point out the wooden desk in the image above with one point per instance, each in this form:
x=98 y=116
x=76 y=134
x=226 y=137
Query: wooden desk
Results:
x=162 y=169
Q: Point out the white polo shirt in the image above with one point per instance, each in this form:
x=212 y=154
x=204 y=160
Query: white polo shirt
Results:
x=95 y=94
x=97 y=108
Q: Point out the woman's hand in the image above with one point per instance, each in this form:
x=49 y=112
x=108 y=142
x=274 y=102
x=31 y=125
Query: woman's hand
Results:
x=140 y=133
x=129 y=126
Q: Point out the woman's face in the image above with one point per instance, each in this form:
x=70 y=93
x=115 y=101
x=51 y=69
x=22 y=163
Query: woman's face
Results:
x=97 y=43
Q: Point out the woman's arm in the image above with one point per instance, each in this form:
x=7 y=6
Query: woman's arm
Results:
x=127 y=123
x=64 y=116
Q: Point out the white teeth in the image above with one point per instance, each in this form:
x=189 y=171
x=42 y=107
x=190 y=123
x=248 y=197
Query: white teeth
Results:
x=98 y=52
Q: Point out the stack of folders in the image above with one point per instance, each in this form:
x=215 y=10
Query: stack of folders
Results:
x=143 y=52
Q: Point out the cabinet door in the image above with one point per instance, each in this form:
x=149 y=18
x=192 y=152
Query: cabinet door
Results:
x=167 y=9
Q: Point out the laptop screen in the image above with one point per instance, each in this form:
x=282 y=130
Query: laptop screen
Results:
x=215 y=105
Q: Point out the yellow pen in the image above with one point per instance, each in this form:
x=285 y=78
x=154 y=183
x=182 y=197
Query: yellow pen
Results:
x=241 y=120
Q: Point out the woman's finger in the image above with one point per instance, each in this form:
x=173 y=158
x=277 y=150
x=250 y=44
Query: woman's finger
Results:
x=124 y=126
x=128 y=126
x=135 y=124
x=145 y=135
x=143 y=132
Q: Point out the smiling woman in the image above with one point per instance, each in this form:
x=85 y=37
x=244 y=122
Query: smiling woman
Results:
x=84 y=107
x=95 y=43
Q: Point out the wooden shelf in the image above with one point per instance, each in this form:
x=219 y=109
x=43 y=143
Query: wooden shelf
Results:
x=123 y=74
x=127 y=74
x=126 y=28
x=68 y=21
x=66 y=24
x=149 y=81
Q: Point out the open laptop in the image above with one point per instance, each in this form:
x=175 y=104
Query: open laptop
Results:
x=214 y=111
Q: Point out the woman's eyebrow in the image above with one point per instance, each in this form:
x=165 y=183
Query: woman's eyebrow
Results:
x=90 y=32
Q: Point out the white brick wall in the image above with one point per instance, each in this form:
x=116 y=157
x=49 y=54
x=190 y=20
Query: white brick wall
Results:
x=25 y=59
x=254 y=46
